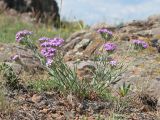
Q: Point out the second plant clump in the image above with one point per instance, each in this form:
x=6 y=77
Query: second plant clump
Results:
x=105 y=73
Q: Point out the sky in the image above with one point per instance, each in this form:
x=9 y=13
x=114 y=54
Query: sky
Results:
x=109 y=11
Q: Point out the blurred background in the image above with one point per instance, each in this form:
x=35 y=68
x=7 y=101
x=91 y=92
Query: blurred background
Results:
x=69 y=15
x=110 y=11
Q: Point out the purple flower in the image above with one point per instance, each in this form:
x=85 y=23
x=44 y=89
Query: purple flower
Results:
x=46 y=44
x=110 y=46
x=48 y=52
x=104 y=30
x=43 y=39
x=56 y=42
x=22 y=34
x=140 y=43
x=49 y=62
x=15 y=57
x=49 y=47
x=145 y=45
x=113 y=63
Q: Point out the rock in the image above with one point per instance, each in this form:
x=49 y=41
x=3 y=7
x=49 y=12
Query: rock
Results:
x=82 y=45
x=149 y=101
x=153 y=88
x=45 y=111
x=124 y=37
x=27 y=61
x=154 y=18
x=17 y=68
x=84 y=68
x=75 y=35
x=36 y=98
x=76 y=49
x=154 y=42
x=151 y=32
x=101 y=25
x=71 y=44
x=72 y=100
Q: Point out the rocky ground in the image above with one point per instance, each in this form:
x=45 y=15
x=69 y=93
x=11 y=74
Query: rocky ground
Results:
x=143 y=74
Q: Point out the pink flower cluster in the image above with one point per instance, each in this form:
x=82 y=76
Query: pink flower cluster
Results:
x=140 y=43
x=22 y=34
x=110 y=47
x=49 y=46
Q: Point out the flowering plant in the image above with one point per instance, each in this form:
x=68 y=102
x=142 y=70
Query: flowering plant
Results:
x=113 y=63
x=107 y=70
x=140 y=44
x=110 y=47
x=105 y=33
x=21 y=35
x=65 y=79
x=49 y=48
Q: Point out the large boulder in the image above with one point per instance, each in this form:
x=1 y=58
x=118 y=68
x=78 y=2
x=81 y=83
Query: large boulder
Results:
x=43 y=10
